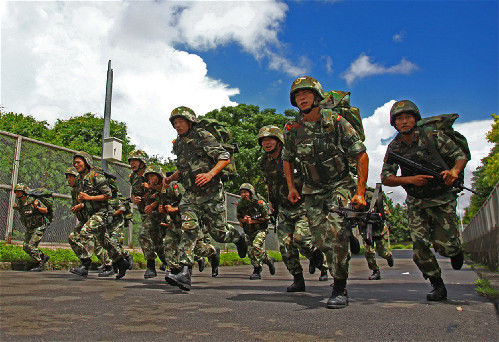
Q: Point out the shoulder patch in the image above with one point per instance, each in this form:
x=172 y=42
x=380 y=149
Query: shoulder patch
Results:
x=175 y=186
x=260 y=202
x=338 y=118
x=130 y=175
x=173 y=142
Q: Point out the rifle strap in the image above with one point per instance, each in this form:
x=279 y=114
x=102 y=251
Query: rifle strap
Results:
x=433 y=149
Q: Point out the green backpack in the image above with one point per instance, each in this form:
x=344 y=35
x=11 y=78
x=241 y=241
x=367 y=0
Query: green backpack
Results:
x=112 y=180
x=339 y=102
x=44 y=196
x=444 y=123
x=222 y=134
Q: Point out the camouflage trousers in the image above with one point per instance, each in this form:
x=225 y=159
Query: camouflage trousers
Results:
x=327 y=229
x=256 y=252
x=151 y=237
x=115 y=231
x=294 y=237
x=212 y=215
x=437 y=225
x=78 y=248
x=32 y=237
x=94 y=230
x=380 y=246
x=202 y=248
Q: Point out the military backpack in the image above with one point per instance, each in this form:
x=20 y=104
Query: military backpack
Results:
x=44 y=196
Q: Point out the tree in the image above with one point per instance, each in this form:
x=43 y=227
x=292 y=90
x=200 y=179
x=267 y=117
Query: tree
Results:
x=23 y=125
x=397 y=221
x=486 y=175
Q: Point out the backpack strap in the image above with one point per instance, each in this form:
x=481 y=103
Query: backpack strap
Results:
x=433 y=149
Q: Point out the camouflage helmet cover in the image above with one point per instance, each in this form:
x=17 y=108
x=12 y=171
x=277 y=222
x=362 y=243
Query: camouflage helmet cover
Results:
x=270 y=131
x=404 y=106
x=86 y=157
x=155 y=169
x=71 y=171
x=21 y=187
x=305 y=82
x=183 y=112
x=248 y=187
x=138 y=154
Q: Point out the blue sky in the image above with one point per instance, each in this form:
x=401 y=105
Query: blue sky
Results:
x=443 y=55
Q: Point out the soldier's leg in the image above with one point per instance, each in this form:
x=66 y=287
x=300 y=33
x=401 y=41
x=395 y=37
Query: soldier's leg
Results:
x=370 y=255
x=287 y=246
x=85 y=241
x=145 y=239
x=31 y=247
x=157 y=237
x=171 y=243
x=213 y=216
x=303 y=239
x=444 y=223
x=102 y=255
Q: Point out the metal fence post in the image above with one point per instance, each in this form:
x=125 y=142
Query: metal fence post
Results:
x=12 y=196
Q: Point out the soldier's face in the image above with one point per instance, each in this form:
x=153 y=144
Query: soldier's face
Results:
x=405 y=122
x=269 y=144
x=304 y=99
x=181 y=125
x=79 y=164
x=71 y=180
x=134 y=164
x=245 y=194
x=152 y=179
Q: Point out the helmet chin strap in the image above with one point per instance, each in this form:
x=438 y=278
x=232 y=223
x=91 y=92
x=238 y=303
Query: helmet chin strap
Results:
x=275 y=148
x=409 y=131
x=314 y=105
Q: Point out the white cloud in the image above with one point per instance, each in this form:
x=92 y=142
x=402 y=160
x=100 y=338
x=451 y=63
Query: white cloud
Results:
x=399 y=37
x=55 y=54
x=329 y=64
x=363 y=67
x=379 y=134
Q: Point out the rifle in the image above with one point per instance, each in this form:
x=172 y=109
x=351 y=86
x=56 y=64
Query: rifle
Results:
x=418 y=169
x=274 y=217
x=39 y=194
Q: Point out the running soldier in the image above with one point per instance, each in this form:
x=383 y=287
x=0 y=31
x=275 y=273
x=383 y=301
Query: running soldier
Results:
x=33 y=217
x=431 y=205
x=323 y=141
x=253 y=215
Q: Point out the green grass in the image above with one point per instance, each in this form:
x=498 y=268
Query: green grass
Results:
x=484 y=288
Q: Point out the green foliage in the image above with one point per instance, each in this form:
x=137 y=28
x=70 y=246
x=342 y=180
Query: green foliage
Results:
x=397 y=221
x=20 y=124
x=484 y=288
x=232 y=259
x=486 y=175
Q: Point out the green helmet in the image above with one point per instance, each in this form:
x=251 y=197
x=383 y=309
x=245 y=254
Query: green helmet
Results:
x=248 y=187
x=305 y=82
x=404 y=106
x=71 y=171
x=270 y=131
x=86 y=157
x=183 y=112
x=21 y=187
x=138 y=154
x=155 y=169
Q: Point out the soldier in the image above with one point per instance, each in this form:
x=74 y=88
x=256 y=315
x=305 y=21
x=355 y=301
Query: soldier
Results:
x=200 y=159
x=94 y=193
x=82 y=218
x=253 y=215
x=169 y=200
x=323 y=141
x=293 y=232
x=152 y=233
x=431 y=206
x=381 y=241
x=33 y=217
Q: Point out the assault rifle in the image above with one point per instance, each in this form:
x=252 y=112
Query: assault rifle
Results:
x=39 y=193
x=274 y=217
x=414 y=168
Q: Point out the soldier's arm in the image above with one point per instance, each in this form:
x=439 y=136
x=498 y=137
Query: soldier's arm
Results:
x=41 y=208
x=446 y=146
x=203 y=178
x=362 y=171
x=293 y=195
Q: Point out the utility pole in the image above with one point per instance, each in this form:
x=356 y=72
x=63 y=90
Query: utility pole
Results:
x=107 y=112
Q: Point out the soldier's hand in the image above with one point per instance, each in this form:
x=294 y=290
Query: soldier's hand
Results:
x=163 y=224
x=137 y=199
x=358 y=202
x=171 y=209
x=420 y=180
x=77 y=207
x=167 y=181
x=449 y=176
x=83 y=196
x=161 y=209
x=293 y=196
x=148 y=209
x=203 y=178
x=15 y=206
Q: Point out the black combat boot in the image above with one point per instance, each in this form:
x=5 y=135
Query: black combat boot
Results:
x=129 y=258
x=45 y=258
x=256 y=273
x=162 y=267
x=242 y=247
x=339 y=297
x=375 y=276
x=101 y=268
x=151 y=269
x=298 y=283
x=37 y=268
x=390 y=261
x=181 y=279
x=270 y=264
x=123 y=266
x=201 y=264
x=439 y=291
x=215 y=262
x=107 y=271
x=457 y=261
x=323 y=276
x=82 y=270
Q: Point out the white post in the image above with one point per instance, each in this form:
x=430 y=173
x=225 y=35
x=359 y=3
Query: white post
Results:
x=13 y=182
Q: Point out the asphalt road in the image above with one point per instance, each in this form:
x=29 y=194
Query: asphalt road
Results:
x=58 y=306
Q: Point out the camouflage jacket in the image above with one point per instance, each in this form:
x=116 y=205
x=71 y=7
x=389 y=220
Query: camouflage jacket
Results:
x=198 y=152
x=431 y=194
x=30 y=217
x=94 y=183
x=273 y=173
x=323 y=148
x=138 y=189
x=172 y=196
x=256 y=209
x=81 y=215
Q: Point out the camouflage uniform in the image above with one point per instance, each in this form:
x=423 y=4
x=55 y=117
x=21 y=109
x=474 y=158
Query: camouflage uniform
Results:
x=35 y=223
x=255 y=233
x=432 y=207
